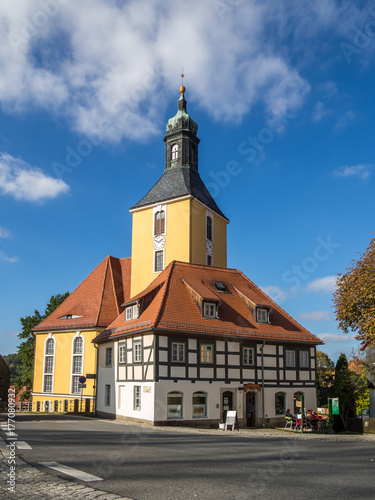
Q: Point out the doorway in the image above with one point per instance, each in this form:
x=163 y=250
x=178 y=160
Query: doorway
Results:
x=227 y=403
x=250 y=409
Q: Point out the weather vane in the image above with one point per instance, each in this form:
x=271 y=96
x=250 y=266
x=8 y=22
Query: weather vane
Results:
x=182 y=88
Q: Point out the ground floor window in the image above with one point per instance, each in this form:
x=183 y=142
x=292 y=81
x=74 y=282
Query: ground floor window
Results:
x=199 y=405
x=280 y=403
x=137 y=397
x=76 y=385
x=174 y=405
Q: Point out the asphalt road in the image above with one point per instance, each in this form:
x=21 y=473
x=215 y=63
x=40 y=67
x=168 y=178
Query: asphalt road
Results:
x=157 y=464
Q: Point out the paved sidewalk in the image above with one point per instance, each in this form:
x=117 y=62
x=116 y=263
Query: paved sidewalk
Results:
x=32 y=483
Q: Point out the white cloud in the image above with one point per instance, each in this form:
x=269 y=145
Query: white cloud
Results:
x=326 y=284
x=276 y=293
x=101 y=60
x=24 y=182
x=315 y=315
x=4 y=233
x=3 y=256
x=335 y=337
x=320 y=111
x=362 y=171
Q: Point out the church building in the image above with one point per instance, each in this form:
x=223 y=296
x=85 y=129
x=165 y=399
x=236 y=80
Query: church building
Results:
x=173 y=335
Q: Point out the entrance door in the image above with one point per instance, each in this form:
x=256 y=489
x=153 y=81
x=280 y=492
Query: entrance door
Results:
x=227 y=403
x=250 y=409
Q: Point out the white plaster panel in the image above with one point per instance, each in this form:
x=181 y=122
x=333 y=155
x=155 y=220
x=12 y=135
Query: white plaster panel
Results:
x=149 y=372
x=312 y=375
x=304 y=375
x=312 y=351
x=138 y=372
x=269 y=362
x=281 y=375
x=233 y=359
x=248 y=374
x=192 y=373
x=192 y=343
x=233 y=373
x=192 y=357
x=163 y=356
x=130 y=357
x=220 y=345
x=130 y=373
x=163 y=341
x=220 y=372
x=281 y=350
x=148 y=340
x=177 y=371
x=270 y=374
x=148 y=355
x=122 y=372
x=220 y=359
x=163 y=371
x=233 y=346
x=269 y=349
x=290 y=375
x=281 y=362
x=207 y=373
x=313 y=363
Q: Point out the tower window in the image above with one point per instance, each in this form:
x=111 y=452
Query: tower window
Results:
x=209 y=260
x=159 y=261
x=159 y=222
x=209 y=228
x=174 y=152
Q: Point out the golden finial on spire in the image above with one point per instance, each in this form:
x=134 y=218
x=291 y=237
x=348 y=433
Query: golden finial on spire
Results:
x=182 y=88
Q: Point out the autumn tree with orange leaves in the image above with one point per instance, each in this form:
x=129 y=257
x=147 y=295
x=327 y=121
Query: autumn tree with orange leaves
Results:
x=354 y=299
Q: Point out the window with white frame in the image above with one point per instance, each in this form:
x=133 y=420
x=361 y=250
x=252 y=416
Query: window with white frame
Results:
x=158 y=260
x=76 y=386
x=122 y=353
x=303 y=359
x=78 y=355
x=248 y=356
x=262 y=315
x=174 y=152
x=137 y=398
x=137 y=351
x=178 y=352
x=209 y=227
x=174 y=404
x=207 y=351
x=290 y=359
x=49 y=363
x=209 y=310
x=108 y=357
x=107 y=395
x=199 y=405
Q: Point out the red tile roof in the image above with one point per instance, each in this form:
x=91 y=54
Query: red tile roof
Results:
x=96 y=301
x=170 y=303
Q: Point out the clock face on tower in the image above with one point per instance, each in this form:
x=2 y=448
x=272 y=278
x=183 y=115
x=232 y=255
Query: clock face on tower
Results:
x=159 y=242
x=209 y=247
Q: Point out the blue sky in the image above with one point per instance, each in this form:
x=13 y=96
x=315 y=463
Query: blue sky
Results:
x=283 y=96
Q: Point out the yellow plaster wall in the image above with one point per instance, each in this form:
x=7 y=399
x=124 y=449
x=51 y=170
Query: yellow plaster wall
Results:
x=63 y=364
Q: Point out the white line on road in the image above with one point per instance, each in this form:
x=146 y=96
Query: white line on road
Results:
x=78 y=474
x=22 y=445
x=11 y=434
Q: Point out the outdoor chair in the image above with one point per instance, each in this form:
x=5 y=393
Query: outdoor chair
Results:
x=288 y=423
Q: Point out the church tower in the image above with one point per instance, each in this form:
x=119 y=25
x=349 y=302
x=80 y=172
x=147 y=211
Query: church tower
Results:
x=177 y=219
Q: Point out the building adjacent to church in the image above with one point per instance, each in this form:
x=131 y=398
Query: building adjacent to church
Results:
x=173 y=335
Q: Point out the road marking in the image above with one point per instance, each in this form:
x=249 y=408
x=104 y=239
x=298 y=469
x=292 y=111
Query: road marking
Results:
x=78 y=474
x=22 y=445
x=11 y=434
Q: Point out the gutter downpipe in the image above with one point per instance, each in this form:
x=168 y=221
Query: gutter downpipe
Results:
x=263 y=420
x=96 y=376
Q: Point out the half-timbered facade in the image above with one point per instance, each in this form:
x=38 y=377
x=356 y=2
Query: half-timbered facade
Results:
x=200 y=341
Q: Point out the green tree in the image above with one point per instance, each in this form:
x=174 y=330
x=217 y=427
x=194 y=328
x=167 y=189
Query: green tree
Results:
x=348 y=387
x=26 y=348
x=324 y=371
x=354 y=299
x=14 y=363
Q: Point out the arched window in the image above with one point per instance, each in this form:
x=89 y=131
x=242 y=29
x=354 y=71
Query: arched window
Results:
x=209 y=228
x=199 y=404
x=49 y=364
x=159 y=222
x=77 y=364
x=174 y=152
x=174 y=404
x=280 y=400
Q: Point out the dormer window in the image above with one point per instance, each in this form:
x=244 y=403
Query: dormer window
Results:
x=262 y=315
x=209 y=310
x=131 y=312
x=174 y=152
x=220 y=287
